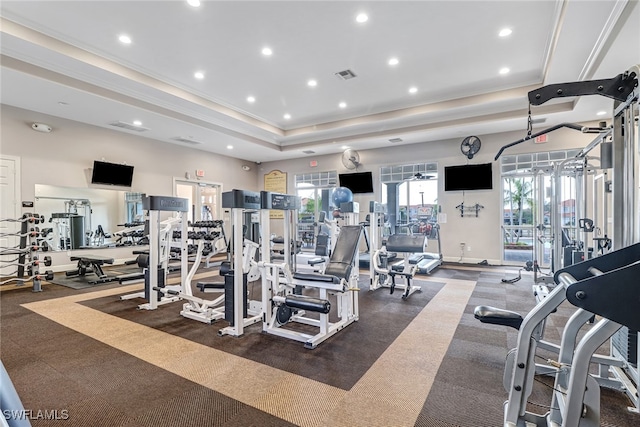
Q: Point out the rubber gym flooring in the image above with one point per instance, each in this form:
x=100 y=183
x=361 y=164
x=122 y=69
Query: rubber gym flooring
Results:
x=424 y=362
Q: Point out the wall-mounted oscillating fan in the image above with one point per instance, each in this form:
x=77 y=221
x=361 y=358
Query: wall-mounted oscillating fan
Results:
x=350 y=159
x=470 y=146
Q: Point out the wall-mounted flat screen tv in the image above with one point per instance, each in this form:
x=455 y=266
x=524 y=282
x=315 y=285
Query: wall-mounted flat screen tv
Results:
x=111 y=174
x=468 y=177
x=359 y=182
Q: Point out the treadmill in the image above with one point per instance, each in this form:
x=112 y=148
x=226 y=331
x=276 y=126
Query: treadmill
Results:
x=431 y=260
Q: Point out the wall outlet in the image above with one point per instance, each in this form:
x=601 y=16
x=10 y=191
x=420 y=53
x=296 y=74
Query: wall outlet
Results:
x=469 y=248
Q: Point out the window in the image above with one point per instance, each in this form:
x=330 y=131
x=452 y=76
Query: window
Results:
x=416 y=206
x=314 y=190
x=527 y=181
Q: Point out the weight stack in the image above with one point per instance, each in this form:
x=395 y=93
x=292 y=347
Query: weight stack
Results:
x=147 y=285
x=228 y=296
x=626 y=342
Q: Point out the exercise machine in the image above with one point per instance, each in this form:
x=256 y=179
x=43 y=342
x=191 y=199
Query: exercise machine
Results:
x=13 y=412
x=604 y=286
x=239 y=311
x=303 y=298
x=615 y=269
x=431 y=260
x=160 y=242
x=327 y=231
x=408 y=246
x=90 y=264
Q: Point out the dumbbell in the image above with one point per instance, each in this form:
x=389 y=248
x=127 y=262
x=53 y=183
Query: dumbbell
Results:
x=48 y=275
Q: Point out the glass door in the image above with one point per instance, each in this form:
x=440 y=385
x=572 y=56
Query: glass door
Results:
x=204 y=199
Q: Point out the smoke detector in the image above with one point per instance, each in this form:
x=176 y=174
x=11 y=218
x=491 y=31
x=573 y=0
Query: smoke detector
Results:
x=41 y=127
x=246 y=168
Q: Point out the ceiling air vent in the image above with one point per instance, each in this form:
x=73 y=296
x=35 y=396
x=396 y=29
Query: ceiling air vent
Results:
x=345 y=75
x=309 y=152
x=128 y=126
x=187 y=140
x=394 y=140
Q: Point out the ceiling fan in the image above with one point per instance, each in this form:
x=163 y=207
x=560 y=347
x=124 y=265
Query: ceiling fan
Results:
x=470 y=146
x=350 y=159
x=421 y=177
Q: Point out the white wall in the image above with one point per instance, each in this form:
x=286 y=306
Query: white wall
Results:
x=65 y=156
x=481 y=234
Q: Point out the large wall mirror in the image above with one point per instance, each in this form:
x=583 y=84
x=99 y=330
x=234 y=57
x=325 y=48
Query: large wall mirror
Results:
x=79 y=218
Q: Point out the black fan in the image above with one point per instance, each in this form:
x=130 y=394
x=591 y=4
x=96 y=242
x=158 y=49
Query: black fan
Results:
x=470 y=146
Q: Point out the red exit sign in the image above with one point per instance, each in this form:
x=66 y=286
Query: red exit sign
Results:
x=541 y=139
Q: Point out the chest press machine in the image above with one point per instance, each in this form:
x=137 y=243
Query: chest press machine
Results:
x=304 y=297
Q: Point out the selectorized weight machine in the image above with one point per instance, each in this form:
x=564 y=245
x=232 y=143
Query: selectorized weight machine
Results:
x=304 y=298
x=238 y=311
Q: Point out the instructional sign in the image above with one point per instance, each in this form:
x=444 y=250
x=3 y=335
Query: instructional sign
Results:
x=276 y=181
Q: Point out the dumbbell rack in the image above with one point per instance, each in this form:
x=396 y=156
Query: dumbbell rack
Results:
x=27 y=257
x=210 y=231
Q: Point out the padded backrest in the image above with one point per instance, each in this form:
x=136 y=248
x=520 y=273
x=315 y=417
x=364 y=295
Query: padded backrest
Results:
x=322 y=245
x=406 y=243
x=345 y=251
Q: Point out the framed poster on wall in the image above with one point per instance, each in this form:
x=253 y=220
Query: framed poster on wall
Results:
x=276 y=181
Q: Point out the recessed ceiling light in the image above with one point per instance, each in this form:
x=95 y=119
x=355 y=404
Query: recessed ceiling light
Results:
x=342 y=105
x=601 y=113
x=504 y=70
x=137 y=122
x=393 y=61
x=194 y=3
x=251 y=99
x=125 y=39
x=362 y=18
x=62 y=103
x=413 y=89
x=505 y=32
x=345 y=147
x=287 y=116
x=312 y=83
x=266 y=51
x=229 y=147
x=198 y=75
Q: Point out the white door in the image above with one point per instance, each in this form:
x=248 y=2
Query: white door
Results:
x=9 y=207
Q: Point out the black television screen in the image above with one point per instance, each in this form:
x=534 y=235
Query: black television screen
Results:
x=111 y=174
x=468 y=177
x=359 y=182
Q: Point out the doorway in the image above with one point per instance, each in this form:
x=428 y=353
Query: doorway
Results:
x=205 y=199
